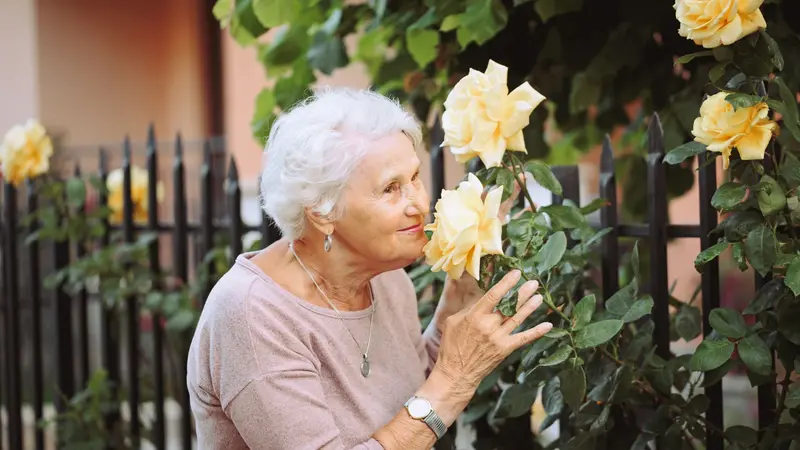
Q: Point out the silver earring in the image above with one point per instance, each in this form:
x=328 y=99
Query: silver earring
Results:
x=328 y=242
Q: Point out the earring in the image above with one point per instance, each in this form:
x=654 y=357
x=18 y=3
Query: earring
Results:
x=328 y=242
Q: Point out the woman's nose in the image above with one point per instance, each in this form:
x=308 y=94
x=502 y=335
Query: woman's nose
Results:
x=417 y=202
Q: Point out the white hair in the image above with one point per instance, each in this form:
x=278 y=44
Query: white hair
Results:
x=313 y=148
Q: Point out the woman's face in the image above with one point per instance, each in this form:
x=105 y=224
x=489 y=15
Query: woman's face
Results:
x=385 y=206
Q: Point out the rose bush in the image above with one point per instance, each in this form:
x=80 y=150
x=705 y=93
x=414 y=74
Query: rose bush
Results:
x=25 y=152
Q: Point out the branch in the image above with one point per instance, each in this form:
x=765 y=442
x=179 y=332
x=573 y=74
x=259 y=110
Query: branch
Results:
x=523 y=185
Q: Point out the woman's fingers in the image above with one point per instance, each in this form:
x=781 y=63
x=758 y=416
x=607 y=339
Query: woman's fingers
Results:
x=522 y=313
x=526 y=292
x=526 y=337
x=488 y=302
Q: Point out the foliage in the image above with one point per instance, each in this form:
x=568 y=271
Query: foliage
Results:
x=591 y=59
x=82 y=425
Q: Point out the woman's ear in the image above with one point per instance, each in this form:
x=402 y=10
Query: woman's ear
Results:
x=320 y=222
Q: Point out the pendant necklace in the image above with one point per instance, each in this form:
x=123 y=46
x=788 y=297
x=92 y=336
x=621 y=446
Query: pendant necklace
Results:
x=365 y=366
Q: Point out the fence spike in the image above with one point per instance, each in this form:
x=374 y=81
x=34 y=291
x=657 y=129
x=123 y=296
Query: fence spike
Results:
x=207 y=213
x=234 y=199
x=608 y=219
x=178 y=147
x=34 y=275
x=13 y=400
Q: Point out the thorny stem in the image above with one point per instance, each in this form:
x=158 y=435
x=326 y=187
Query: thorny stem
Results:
x=523 y=185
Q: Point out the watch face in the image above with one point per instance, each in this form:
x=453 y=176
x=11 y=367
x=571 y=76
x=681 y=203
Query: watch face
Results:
x=419 y=408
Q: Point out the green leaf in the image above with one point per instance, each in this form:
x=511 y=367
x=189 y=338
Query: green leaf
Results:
x=639 y=309
x=264 y=114
x=597 y=333
x=222 y=11
x=714 y=376
x=327 y=53
x=564 y=216
x=584 y=311
x=718 y=71
x=573 y=386
x=789 y=324
x=739 y=100
x=738 y=256
x=739 y=224
x=620 y=303
x=790 y=111
x=584 y=92
x=793 y=398
x=728 y=196
x=551 y=252
x=771 y=199
x=774 y=49
x=481 y=21
x=552 y=399
x=792 y=279
x=685 y=59
x=515 y=401
x=711 y=354
x=505 y=178
x=698 y=404
x=182 y=320
x=760 y=247
x=544 y=176
x=742 y=435
x=272 y=13
x=423 y=45
x=755 y=354
x=722 y=53
x=790 y=171
x=557 y=357
x=767 y=296
x=594 y=205
x=244 y=25
x=583 y=441
x=288 y=44
x=688 y=322
x=547 y=9
x=76 y=192
x=681 y=153
x=728 y=322
x=450 y=23
x=556 y=333
x=709 y=254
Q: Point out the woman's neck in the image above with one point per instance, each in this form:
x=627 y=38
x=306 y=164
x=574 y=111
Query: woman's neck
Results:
x=339 y=276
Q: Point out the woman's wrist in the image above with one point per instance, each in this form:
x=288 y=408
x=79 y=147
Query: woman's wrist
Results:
x=448 y=395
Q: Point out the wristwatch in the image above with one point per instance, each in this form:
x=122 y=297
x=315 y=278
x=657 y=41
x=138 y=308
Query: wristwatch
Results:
x=420 y=408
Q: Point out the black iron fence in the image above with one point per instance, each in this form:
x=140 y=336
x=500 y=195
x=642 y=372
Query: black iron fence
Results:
x=46 y=338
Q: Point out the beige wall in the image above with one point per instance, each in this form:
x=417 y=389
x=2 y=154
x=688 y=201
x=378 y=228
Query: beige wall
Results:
x=110 y=68
x=18 y=77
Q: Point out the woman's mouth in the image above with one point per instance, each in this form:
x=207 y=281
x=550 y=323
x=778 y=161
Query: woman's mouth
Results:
x=412 y=229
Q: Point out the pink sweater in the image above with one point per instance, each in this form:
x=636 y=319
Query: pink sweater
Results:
x=268 y=370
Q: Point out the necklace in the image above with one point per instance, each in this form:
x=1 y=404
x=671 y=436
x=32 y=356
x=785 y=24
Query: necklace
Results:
x=365 y=366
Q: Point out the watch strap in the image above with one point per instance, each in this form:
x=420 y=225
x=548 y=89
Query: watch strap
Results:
x=436 y=424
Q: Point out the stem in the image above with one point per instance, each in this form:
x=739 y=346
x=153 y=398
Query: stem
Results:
x=523 y=185
x=785 y=388
x=549 y=302
x=610 y=356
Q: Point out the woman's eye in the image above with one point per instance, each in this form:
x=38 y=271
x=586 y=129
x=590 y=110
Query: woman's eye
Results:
x=415 y=177
x=391 y=188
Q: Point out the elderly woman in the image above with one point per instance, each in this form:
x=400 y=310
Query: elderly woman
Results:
x=314 y=342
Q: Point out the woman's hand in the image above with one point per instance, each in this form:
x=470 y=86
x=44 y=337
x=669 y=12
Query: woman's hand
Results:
x=477 y=339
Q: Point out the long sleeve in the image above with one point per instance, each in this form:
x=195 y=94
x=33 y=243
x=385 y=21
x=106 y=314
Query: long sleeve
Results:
x=429 y=345
x=287 y=411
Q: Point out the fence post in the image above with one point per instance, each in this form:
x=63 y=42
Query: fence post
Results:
x=207 y=217
x=159 y=439
x=657 y=220
x=711 y=292
x=36 y=318
x=109 y=326
x=13 y=382
x=62 y=306
x=131 y=302
x=233 y=193
x=181 y=265
x=608 y=219
x=83 y=310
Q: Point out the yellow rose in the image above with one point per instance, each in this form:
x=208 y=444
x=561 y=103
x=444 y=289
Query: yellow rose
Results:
x=25 y=152
x=712 y=23
x=465 y=228
x=721 y=128
x=482 y=119
x=139 y=189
